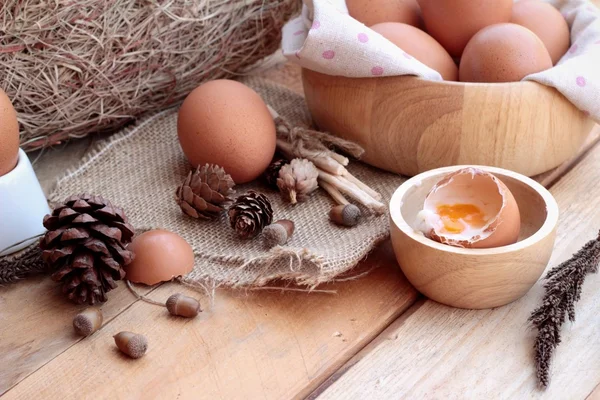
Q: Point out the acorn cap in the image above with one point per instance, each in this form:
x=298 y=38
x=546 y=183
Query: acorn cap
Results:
x=132 y=344
x=88 y=321
x=346 y=215
x=278 y=233
x=183 y=306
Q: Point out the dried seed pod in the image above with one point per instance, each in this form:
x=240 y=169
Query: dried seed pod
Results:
x=278 y=233
x=272 y=172
x=346 y=215
x=132 y=344
x=88 y=321
x=183 y=306
x=297 y=180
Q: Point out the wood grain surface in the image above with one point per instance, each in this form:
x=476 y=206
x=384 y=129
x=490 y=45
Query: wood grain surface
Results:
x=445 y=353
x=36 y=325
x=410 y=125
x=255 y=344
x=273 y=345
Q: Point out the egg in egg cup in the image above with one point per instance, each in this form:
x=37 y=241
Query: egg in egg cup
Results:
x=23 y=206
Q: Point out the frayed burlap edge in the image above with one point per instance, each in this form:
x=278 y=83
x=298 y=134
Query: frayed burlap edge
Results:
x=296 y=265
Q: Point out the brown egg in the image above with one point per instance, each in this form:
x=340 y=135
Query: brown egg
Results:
x=454 y=22
x=470 y=208
x=371 y=12
x=503 y=53
x=9 y=135
x=159 y=256
x=547 y=23
x=419 y=45
x=226 y=123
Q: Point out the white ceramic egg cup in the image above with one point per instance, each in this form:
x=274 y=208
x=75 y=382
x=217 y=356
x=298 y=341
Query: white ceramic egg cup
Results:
x=23 y=206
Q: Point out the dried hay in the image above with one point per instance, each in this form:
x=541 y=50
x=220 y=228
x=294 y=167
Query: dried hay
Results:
x=76 y=67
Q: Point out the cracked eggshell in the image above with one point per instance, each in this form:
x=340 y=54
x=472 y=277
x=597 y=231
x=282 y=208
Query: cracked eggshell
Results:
x=160 y=256
x=471 y=185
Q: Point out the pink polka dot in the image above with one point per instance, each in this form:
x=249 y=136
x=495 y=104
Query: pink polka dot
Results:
x=298 y=54
x=573 y=49
x=297 y=33
x=363 y=38
x=328 y=54
x=315 y=25
x=586 y=113
x=591 y=9
x=377 y=71
x=598 y=42
x=580 y=81
x=405 y=54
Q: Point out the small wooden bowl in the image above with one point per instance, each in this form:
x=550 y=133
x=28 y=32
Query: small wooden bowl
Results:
x=474 y=278
x=410 y=125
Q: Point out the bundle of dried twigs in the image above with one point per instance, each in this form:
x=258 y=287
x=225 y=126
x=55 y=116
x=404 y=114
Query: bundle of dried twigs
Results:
x=81 y=66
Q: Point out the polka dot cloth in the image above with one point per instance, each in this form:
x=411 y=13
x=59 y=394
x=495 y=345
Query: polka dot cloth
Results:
x=326 y=39
x=377 y=71
x=328 y=54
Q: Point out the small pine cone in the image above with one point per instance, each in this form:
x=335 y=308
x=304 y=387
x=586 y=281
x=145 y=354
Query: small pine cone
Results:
x=250 y=213
x=297 y=180
x=205 y=192
x=272 y=172
x=85 y=247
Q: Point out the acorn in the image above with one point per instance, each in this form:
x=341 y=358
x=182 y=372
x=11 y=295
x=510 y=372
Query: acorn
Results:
x=278 y=233
x=88 y=321
x=132 y=344
x=346 y=215
x=183 y=306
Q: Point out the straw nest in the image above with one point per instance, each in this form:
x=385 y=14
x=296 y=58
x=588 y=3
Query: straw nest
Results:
x=76 y=67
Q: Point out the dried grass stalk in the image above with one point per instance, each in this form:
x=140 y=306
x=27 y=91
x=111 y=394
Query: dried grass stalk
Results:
x=81 y=66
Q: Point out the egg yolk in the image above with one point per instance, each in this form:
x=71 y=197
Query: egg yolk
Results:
x=455 y=216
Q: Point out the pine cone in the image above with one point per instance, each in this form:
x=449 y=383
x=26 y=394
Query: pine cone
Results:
x=297 y=180
x=272 y=172
x=250 y=213
x=205 y=191
x=85 y=247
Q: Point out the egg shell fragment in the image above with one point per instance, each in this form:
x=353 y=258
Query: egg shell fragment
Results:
x=471 y=186
x=160 y=256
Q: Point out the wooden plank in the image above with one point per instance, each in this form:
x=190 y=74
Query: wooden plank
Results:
x=36 y=325
x=35 y=318
x=595 y=395
x=441 y=352
x=254 y=344
x=549 y=178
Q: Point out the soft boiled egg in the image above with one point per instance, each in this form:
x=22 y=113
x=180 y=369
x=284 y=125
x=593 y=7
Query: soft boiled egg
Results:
x=470 y=208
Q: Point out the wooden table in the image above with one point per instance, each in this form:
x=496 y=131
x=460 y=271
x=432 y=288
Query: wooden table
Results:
x=375 y=338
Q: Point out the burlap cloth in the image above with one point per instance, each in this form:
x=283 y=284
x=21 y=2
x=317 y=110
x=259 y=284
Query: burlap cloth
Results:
x=140 y=168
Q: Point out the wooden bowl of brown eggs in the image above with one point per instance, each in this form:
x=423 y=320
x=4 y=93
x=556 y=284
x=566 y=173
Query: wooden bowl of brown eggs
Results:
x=472 y=237
x=482 y=113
